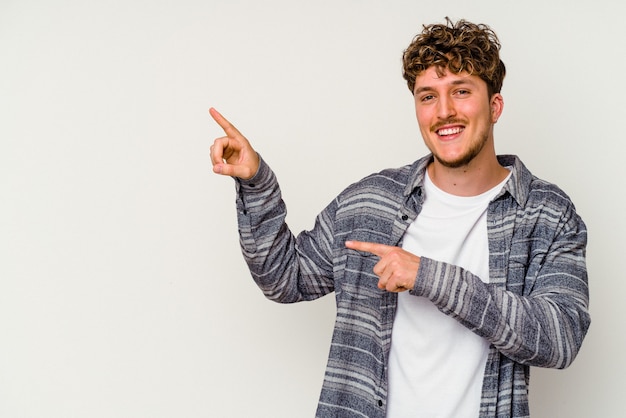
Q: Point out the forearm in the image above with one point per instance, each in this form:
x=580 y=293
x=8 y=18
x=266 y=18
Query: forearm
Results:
x=279 y=263
x=544 y=328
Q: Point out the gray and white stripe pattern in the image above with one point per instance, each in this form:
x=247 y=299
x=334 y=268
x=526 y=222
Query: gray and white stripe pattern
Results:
x=534 y=310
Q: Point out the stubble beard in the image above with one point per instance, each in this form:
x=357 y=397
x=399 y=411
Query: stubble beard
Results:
x=466 y=158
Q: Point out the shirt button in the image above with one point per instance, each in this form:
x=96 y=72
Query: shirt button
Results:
x=380 y=402
x=405 y=217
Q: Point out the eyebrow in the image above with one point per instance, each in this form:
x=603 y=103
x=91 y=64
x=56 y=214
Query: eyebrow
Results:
x=452 y=83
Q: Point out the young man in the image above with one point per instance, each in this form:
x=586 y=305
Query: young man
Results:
x=452 y=275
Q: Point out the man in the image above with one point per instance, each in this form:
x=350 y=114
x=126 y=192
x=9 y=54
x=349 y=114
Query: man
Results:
x=452 y=275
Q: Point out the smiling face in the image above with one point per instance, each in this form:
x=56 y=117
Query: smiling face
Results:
x=456 y=116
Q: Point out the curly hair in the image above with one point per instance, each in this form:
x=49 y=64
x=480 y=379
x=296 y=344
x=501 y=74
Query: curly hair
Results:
x=456 y=47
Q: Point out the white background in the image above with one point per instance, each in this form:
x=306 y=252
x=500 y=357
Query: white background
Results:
x=122 y=289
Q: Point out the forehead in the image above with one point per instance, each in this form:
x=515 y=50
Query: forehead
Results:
x=434 y=78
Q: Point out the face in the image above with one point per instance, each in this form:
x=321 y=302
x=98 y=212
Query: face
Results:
x=456 y=116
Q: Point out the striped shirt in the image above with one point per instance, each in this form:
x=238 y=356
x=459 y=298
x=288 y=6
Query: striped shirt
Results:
x=533 y=311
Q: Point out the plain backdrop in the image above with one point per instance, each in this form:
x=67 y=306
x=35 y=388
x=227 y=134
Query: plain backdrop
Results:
x=122 y=289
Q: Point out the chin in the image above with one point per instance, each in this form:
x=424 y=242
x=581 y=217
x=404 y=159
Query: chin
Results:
x=457 y=162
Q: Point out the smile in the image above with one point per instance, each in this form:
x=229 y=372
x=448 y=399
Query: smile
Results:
x=450 y=131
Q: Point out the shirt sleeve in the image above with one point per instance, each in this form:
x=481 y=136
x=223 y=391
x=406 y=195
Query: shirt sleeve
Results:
x=285 y=267
x=544 y=326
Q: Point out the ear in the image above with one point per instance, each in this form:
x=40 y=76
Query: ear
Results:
x=497 y=106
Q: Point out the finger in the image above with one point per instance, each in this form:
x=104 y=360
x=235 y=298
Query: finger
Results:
x=217 y=150
x=391 y=284
x=396 y=272
x=380 y=270
x=398 y=289
x=228 y=127
x=369 y=247
x=232 y=170
x=222 y=151
x=218 y=158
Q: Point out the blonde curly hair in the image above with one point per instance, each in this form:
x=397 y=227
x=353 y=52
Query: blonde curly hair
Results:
x=456 y=47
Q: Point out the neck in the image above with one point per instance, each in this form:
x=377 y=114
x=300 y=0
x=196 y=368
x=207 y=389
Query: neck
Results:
x=478 y=176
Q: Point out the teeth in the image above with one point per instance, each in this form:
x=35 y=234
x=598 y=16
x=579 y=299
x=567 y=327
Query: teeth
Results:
x=450 y=131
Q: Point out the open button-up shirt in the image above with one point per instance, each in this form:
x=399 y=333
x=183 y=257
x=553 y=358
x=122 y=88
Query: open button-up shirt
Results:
x=533 y=311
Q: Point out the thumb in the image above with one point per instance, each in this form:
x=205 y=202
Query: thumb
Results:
x=234 y=170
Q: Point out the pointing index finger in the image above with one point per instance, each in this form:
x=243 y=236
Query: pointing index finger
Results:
x=228 y=127
x=369 y=247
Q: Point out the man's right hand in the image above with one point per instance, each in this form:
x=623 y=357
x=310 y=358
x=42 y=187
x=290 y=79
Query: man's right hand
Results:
x=232 y=155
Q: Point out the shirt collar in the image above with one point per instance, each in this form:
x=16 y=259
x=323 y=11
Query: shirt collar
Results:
x=517 y=186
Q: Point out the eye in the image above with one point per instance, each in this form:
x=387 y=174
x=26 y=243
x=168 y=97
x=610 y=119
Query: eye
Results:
x=462 y=92
x=427 y=98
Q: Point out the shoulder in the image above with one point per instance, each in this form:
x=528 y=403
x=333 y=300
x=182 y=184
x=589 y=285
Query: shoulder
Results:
x=529 y=190
x=548 y=202
x=378 y=195
x=390 y=181
x=541 y=190
x=384 y=186
x=545 y=194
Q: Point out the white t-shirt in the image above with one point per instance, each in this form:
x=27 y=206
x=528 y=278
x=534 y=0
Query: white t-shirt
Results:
x=436 y=365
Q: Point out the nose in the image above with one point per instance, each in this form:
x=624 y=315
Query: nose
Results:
x=445 y=108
